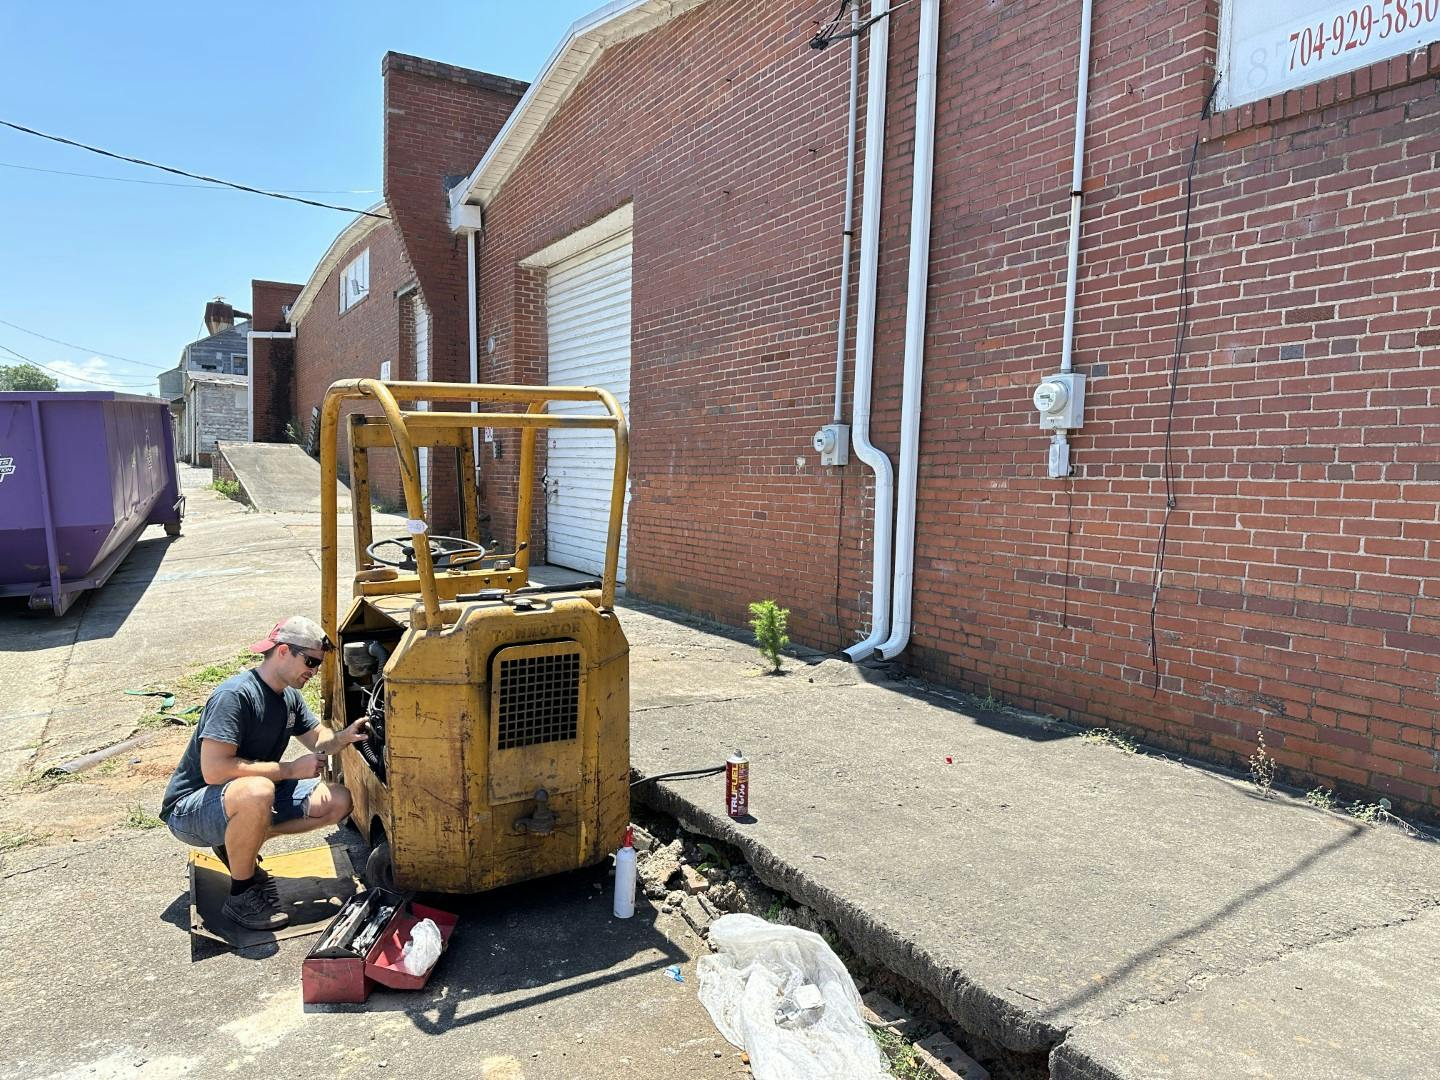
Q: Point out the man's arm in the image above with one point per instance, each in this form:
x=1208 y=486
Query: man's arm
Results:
x=322 y=740
x=219 y=764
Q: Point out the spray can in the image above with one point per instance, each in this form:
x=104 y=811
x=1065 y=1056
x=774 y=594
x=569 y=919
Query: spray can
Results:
x=625 y=876
x=737 y=785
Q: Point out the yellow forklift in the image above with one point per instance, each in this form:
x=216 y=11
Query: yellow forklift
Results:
x=499 y=709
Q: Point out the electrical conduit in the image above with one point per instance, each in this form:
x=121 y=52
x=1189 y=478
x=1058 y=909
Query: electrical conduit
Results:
x=847 y=233
x=1082 y=97
x=865 y=450
x=915 y=303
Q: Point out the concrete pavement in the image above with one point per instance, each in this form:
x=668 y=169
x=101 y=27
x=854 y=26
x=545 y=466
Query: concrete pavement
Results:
x=1074 y=910
x=1078 y=911
x=279 y=478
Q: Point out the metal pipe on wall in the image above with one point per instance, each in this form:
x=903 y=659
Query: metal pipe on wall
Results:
x=865 y=450
x=848 y=232
x=1082 y=100
x=471 y=291
x=915 y=305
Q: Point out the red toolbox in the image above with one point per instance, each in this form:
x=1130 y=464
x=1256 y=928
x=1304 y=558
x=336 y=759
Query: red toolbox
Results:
x=363 y=945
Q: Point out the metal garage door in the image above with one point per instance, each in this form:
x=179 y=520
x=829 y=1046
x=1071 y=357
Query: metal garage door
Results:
x=588 y=318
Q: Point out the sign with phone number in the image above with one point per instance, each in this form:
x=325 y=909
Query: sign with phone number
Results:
x=1270 y=46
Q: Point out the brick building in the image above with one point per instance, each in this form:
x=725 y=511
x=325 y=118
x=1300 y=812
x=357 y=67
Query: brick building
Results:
x=207 y=388
x=1277 y=509
x=390 y=293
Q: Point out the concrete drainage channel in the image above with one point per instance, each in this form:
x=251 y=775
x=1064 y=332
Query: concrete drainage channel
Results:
x=684 y=872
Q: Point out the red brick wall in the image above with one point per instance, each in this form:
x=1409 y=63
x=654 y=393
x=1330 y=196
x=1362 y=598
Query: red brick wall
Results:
x=331 y=344
x=272 y=373
x=439 y=119
x=1299 y=593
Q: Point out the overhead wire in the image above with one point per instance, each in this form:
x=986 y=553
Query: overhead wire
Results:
x=830 y=33
x=193 y=176
x=172 y=183
x=108 y=385
x=72 y=345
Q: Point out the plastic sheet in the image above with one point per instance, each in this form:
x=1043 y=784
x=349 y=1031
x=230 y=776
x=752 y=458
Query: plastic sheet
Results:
x=760 y=989
x=423 y=948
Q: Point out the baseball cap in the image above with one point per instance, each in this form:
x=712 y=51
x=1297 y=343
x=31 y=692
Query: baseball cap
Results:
x=296 y=630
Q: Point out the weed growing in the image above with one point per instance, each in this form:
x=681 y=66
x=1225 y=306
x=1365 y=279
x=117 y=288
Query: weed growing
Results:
x=1321 y=798
x=14 y=841
x=905 y=1063
x=1105 y=737
x=714 y=859
x=205 y=679
x=1369 y=813
x=1262 y=768
x=229 y=488
x=769 y=621
x=140 y=818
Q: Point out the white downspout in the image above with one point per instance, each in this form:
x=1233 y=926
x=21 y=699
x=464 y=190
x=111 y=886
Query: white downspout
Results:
x=915 y=303
x=1082 y=100
x=269 y=335
x=865 y=450
x=848 y=232
x=474 y=345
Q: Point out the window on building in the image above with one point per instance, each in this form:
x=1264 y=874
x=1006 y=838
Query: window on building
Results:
x=239 y=364
x=1270 y=46
x=209 y=367
x=355 y=281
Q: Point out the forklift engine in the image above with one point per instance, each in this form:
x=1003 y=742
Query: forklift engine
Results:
x=498 y=708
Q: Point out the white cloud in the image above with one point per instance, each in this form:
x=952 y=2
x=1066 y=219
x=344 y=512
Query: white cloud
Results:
x=97 y=373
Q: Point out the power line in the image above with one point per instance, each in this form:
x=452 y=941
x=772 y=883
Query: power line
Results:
x=191 y=175
x=72 y=345
x=172 y=183
x=73 y=377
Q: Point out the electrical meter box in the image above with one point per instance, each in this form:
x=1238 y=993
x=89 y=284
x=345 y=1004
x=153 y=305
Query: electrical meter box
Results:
x=1060 y=399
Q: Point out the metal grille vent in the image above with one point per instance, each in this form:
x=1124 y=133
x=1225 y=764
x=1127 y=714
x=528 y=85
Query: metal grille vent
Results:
x=539 y=699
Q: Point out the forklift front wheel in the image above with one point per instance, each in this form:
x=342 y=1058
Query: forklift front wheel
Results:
x=379 y=873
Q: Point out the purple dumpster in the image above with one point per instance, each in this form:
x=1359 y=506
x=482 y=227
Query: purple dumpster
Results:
x=81 y=475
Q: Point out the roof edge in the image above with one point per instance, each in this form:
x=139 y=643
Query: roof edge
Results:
x=363 y=225
x=583 y=44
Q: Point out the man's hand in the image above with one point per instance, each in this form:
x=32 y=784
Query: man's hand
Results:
x=305 y=767
x=359 y=731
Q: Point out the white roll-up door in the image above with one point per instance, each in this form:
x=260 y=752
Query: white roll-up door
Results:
x=588 y=319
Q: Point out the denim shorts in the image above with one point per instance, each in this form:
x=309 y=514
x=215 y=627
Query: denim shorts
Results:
x=199 y=819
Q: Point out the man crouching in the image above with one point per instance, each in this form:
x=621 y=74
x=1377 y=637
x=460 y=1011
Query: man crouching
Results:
x=231 y=791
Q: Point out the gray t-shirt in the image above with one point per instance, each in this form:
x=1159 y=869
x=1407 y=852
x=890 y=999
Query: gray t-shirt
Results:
x=246 y=713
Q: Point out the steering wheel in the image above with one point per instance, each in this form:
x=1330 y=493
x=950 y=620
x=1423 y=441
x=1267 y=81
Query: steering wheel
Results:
x=445 y=551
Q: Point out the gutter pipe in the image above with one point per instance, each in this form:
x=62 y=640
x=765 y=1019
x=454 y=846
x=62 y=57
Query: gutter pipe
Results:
x=865 y=450
x=1082 y=100
x=474 y=348
x=915 y=305
x=264 y=335
x=848 y=233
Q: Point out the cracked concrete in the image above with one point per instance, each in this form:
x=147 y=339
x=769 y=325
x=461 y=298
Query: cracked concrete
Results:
x=1127 y=915
x=1046 y=890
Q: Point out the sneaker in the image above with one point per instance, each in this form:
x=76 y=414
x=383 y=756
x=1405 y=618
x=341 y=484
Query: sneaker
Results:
x=263 y=879
x=266 y=882
x=255 y=910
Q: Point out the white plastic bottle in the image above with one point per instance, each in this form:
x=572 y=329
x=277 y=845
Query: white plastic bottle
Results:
x=625 y=876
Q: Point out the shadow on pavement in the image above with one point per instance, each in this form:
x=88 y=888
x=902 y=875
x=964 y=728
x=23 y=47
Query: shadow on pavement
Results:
x=1235 y=904
x=527 y=945
x=97 y=613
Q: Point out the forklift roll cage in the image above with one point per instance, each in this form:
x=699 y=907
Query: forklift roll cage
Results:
x=409 y=430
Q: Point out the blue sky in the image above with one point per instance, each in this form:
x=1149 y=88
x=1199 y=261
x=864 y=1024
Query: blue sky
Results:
x=278 y=96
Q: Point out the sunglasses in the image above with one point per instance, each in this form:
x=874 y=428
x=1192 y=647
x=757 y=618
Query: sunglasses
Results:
x=311 y=662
